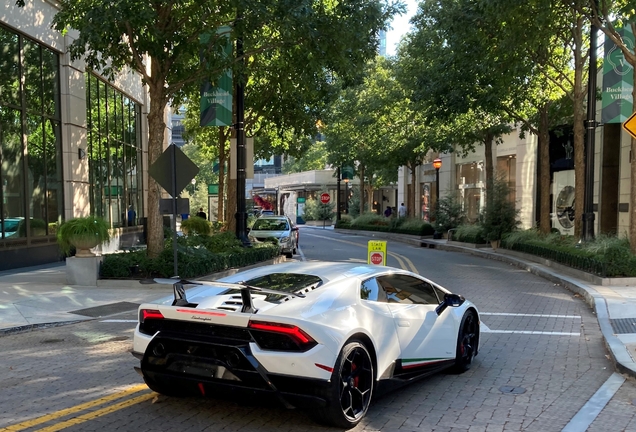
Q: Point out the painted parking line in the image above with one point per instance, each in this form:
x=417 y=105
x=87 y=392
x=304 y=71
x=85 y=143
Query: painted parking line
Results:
x=118 y=321
x=593 y=407
x=81 y=407
x=485 y=329
x=530 y=315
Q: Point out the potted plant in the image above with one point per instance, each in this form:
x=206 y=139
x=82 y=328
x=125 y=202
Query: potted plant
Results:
x=84 y=233
x=499 y=216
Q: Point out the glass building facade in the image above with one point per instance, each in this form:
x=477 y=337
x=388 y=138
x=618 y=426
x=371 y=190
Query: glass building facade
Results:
x=114 y=152
x=31 y=198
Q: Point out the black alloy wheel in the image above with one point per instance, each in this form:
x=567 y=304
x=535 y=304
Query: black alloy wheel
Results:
x=467 y=341
x=351 y=388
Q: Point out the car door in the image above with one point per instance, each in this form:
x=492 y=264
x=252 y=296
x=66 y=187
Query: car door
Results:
x=424 y=337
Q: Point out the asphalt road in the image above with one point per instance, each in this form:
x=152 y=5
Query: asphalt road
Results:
x=542 y=359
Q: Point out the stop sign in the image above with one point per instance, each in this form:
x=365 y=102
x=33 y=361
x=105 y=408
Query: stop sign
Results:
x=377 y=258
x=325 y=198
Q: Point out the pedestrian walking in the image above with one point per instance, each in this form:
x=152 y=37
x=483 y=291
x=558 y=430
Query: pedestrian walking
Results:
x=388 y=212
x=202 y=214
x=402 y=210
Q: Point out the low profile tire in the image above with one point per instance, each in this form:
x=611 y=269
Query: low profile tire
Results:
x=467 y=340
x=351 y=388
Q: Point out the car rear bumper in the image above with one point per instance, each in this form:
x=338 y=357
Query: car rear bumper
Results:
x=212 y=367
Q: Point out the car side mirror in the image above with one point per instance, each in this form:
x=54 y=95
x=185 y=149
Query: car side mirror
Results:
x=295 y=229
x=452 y=300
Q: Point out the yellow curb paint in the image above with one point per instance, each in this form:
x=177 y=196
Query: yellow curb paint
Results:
x=64 y=412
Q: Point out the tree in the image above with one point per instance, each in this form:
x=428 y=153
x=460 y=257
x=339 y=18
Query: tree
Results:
x=160 y=41
x=610 y=18
x=507 y=60
x=315 y=158
x=359 y=128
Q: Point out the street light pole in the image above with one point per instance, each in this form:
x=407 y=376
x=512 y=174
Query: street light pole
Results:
x=346 y=196
x=338 y=194
x=437 y=164
x=587 y=232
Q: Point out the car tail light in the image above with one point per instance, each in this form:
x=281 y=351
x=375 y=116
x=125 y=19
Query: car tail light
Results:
x=280 y=337
x=145 y=314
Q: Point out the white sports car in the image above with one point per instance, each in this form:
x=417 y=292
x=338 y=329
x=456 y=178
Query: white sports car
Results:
x=320 y=335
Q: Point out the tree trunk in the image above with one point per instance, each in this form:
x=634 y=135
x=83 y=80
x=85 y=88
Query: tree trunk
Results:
x=156 y=128
x=544 y=170
x=490 y=177
x=578 y=97
x=230 y=212
x=222 y=158
x=361 y=175
x=369 y=189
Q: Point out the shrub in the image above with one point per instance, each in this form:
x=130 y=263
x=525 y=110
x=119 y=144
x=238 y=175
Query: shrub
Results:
x=499 y=216
x=315 y=210
x=38 y=227
x=469 y=233
x=82 y=228
x=196 y=226
x=448 y=214
x=370 y=218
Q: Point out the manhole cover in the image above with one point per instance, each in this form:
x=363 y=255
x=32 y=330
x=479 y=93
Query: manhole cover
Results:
x=512 y=390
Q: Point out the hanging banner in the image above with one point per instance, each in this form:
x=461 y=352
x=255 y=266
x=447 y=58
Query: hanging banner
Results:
x=216 y=102
x=618 y=80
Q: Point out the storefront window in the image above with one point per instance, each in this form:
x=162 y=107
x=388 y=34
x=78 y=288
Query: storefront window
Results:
x=470 y=185
x=114 y=157
x=507 y=168
x=31 y=199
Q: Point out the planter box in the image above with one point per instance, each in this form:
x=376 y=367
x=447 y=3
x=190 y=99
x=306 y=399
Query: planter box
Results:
x=319 y=223
x=83 y=271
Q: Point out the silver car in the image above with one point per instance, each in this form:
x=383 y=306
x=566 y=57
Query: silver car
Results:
x=278 y=227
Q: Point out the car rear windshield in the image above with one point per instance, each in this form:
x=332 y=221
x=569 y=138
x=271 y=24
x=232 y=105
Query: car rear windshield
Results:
x=270 y=225
x=284 y=282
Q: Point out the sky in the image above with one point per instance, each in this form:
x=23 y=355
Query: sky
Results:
x=400 y=26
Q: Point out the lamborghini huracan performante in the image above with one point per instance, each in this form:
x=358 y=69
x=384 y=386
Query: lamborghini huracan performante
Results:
x=317 y=335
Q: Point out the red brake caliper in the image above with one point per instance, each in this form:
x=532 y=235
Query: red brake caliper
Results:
x=356 y=379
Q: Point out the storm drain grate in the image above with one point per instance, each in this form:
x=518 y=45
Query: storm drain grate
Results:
x=105 y=310
x=624 y=325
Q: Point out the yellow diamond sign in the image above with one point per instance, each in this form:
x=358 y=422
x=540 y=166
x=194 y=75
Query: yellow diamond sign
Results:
x=630 y=125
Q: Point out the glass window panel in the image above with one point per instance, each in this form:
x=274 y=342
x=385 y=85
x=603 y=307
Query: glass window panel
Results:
x=50 y=81
x=36 y=175
x=101 y=106
x=120 y=117
x=54 y=185
x=408 y=290
x=116 y=185
x=9 y=68
x=32 y=76
x=112 y=113
x=11 y=169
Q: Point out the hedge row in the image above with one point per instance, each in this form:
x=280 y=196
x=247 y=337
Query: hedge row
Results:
x=192 y=261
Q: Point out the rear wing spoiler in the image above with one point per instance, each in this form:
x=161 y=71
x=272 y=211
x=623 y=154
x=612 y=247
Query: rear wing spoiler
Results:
x=180 y=298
